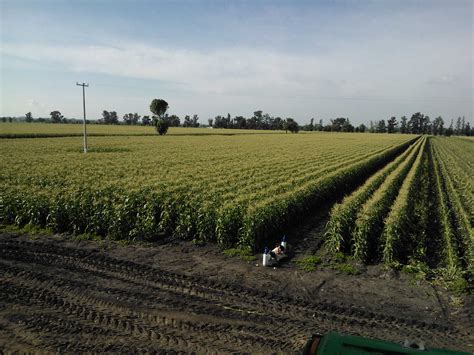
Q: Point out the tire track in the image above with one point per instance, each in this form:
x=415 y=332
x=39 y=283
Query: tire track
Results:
x=170 y=307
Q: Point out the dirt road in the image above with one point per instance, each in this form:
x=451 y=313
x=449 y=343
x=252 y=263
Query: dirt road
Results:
x=57 y=294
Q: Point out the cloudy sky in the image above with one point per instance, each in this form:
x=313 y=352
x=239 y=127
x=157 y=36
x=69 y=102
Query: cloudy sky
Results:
x=365 y=60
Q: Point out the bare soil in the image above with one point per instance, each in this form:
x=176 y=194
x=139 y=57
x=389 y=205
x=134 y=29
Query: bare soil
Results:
x=58 y=294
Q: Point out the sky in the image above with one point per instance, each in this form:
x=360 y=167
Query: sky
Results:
x=365 y=60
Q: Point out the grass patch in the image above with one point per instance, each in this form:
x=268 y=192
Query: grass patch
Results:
x=308 y=263
x=346 y=268
x=244 y=254
x=419 y=271
x=460 y=286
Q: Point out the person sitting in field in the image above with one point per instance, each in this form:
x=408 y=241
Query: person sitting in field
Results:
x=277 y=253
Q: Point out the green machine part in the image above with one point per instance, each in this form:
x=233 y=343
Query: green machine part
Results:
x=337 y=344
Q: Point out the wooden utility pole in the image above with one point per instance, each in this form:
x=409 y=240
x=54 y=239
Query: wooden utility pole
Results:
x=84 y=85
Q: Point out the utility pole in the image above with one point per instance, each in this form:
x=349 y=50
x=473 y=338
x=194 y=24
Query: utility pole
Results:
x=84 y=85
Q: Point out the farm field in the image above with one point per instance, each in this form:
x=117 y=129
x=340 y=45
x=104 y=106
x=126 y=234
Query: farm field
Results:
x=236 y=191
x=354 y=203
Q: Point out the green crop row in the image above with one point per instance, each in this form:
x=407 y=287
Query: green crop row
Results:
x=463 y=233
x=369 y=222
x=338 y=235
x=399 y=235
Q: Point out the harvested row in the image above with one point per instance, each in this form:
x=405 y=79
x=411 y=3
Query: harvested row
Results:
x=343 y=215
x=369 y=222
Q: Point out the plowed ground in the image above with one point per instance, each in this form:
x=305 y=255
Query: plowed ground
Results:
x=59 y=295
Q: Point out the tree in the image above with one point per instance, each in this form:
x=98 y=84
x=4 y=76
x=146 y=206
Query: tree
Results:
x=449 y=132
x=173 y=121
x=291 y=125
x=467 y=129
x=210 y=121
x=347 y=127
x=437 y=126
x=113 y=117
x=161 y=126
x=146 y=121
x=362 y=128
x=128 y=118
x=195 y=120
x=381 y=127
x=56 y=117
x=372 y=127
x=28 y=117
x=106 y=117
x=159 y=107
x=392 y=125
x=403 y=124
x=418 y=123
x=136 y=118
x=337 y=124
x=457 y=131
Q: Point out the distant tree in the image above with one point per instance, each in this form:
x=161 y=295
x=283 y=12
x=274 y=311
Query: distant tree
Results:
x=418 y=123
x=347 y=127
x=28 y=117
x=187 y=121
x=467 y=129
x=159 y=107
x=311 y=124
x=381 y=127
x=106 y=117
x=362 y=128
x=146 y=121
x=291 y=125
x=210 y=121
x=128 y=118
x=10 y=119
x=4 y=119
x=113 y=117
x=449 y=132
x=240 y=122
x=56 y=117
x=403 y=125
x=458 y=129
x=372 y=127
x=174 y=121
x=437 y=126
x=426 y=125
x=392 y=125
x=195 y=120
x=135 y=119
x=337 y=124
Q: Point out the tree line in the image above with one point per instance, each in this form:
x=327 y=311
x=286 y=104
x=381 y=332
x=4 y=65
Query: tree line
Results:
x=418 y=123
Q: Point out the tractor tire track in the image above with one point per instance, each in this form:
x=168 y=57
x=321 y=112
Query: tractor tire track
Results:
x=133 y=307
